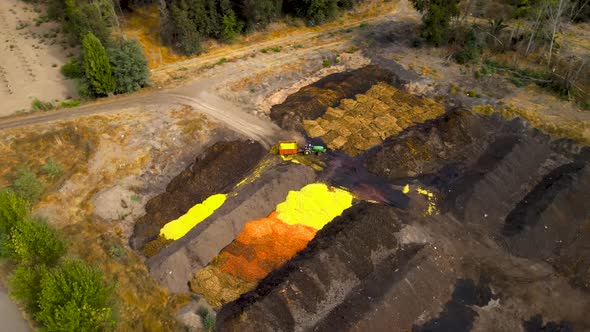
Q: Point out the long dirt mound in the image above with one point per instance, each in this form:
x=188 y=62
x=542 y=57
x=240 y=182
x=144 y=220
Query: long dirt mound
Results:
x=219 y=168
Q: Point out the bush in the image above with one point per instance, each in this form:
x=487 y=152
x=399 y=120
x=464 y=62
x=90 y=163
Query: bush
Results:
x=73 y=297
x=471 y=49
x=52 y=169
x=38 y=105
x=72 y=69
x=28 y=186
x=129 y=67
x=13 y=210
x=33 y=243
x=25 y=286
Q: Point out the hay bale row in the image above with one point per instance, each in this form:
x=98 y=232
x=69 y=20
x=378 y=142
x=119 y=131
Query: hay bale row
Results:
x=360 y=124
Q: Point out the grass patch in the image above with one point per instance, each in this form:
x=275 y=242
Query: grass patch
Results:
x=70 y=103
x=277 y=49
x=38 y=105
x=264 y=50
x=207 y=318
x=53 y=170
x=326 y=63
x=222 y=61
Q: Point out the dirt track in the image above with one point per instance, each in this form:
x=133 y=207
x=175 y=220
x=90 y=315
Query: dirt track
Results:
x=199 y=93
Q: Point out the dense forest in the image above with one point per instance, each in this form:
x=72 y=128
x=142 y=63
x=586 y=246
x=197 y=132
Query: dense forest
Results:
x=186 y=22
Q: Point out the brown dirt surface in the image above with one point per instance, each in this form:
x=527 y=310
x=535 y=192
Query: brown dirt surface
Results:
x=364 y=122
x=219 y=168
x=312 y=101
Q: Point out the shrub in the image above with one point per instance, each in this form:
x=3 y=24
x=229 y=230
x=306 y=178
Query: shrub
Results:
x=73 y=297
x=38 y=105
x=52 y=169
x=222 y=61
x=13 y=210
x=28 y=186
x=276 y=49
x=25 y=286
x=72 y=69
x=326 y=63
x=33 y=242
x=129 y=67
x=471 y=49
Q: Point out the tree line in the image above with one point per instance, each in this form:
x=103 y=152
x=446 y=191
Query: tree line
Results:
x=185 y=23
x=525 y=29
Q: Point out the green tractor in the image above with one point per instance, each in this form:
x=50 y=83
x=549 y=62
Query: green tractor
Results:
x=317 y=149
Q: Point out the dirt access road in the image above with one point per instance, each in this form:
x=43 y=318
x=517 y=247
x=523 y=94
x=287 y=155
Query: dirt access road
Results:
x=200 y=93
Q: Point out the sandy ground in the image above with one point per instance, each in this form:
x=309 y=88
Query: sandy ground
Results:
x=30 y=65
x=10 y=316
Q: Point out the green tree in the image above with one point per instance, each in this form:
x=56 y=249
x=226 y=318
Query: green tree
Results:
x=129 y=66
x=315 y=11
x=33 y=242
x=436 y=18
x=97 y=67
x=74 y=297
x=184 y=37
x=258 y=13
x=81 y=17
x=231 y=27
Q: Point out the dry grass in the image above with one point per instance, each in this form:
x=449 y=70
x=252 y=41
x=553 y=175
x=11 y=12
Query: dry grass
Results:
x=97 y=152
x=69 y=145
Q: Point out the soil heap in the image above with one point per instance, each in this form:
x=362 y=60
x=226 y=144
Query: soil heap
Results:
x=220 y=167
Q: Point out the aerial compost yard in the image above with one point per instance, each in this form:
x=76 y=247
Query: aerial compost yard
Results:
x=419 y=216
